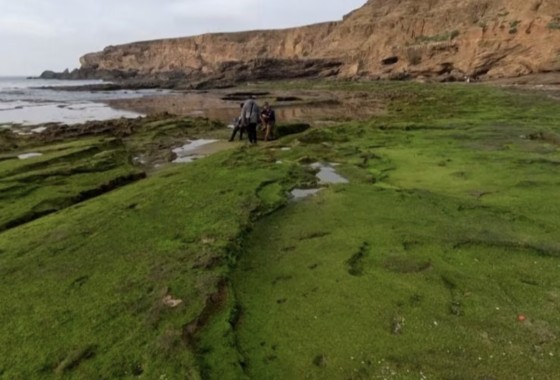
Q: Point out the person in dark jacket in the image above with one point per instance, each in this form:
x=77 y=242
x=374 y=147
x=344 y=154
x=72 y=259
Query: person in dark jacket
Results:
x=268 y=118
x=250 y=116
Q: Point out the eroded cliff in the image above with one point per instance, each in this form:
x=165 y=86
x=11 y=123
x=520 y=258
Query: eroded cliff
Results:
x=443 y=39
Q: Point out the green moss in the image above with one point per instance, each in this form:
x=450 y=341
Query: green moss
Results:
x=105 y=267
x=454 y=247
x=419 y=266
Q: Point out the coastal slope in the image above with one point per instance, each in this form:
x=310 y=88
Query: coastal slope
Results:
x=395 y=39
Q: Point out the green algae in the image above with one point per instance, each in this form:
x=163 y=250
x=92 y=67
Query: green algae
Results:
x=425 y=260
x=65 y=174
x=98 y=273
x=419 y=267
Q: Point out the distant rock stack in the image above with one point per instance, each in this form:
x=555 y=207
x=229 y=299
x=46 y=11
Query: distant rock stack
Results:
x=444 y=40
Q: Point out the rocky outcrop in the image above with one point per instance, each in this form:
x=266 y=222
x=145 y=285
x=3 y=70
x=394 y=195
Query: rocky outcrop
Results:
x=397 y=39
x=89 y=73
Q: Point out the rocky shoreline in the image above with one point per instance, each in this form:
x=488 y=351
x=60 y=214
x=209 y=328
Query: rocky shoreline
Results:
x=231 y=78
x=228 y=75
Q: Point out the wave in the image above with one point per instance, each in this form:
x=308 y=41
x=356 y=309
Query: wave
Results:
x=34 y=114
x=25 y=102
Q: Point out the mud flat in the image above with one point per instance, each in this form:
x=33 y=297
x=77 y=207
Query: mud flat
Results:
x=293 y=105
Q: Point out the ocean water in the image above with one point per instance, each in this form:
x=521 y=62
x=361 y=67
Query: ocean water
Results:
x=23 y=101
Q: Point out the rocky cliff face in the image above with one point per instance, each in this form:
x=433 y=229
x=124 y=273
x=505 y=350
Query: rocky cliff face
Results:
x=445 y=39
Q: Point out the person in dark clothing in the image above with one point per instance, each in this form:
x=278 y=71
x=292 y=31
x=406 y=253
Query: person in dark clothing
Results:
x=238 y=127
x=250 y=118
x=268 y=118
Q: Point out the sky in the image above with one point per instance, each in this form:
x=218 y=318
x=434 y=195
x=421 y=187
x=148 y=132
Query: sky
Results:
x=37 y=35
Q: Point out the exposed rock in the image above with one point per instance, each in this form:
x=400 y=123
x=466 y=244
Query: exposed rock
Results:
x=397 y=39
x=48 y=74
x=171 y=302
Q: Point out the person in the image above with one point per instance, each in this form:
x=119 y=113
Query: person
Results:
x=238 y=126
x=268 y=118
x=250 y=118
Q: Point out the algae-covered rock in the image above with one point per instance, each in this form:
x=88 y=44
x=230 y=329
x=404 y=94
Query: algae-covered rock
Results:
x=8 y=140
x=291 y=129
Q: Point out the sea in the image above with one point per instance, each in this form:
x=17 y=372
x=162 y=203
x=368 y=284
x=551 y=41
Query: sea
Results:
x=27 y=102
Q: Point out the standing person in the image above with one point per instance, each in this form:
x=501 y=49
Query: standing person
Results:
x=268 y=118
x=238 y=126
x=250 y=118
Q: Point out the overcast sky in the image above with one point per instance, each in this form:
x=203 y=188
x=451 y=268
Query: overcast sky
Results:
x=36 y=35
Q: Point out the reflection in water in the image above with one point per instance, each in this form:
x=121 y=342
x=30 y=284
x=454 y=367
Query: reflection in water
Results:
x=320 y=107
x=186 y=160
x=289 y=114
x=39 y=129
x=304 y=193
x=327 y=174
x=191 y=151
x=26 y=156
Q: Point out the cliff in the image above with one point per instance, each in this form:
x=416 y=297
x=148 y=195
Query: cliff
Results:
x=443 y=39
